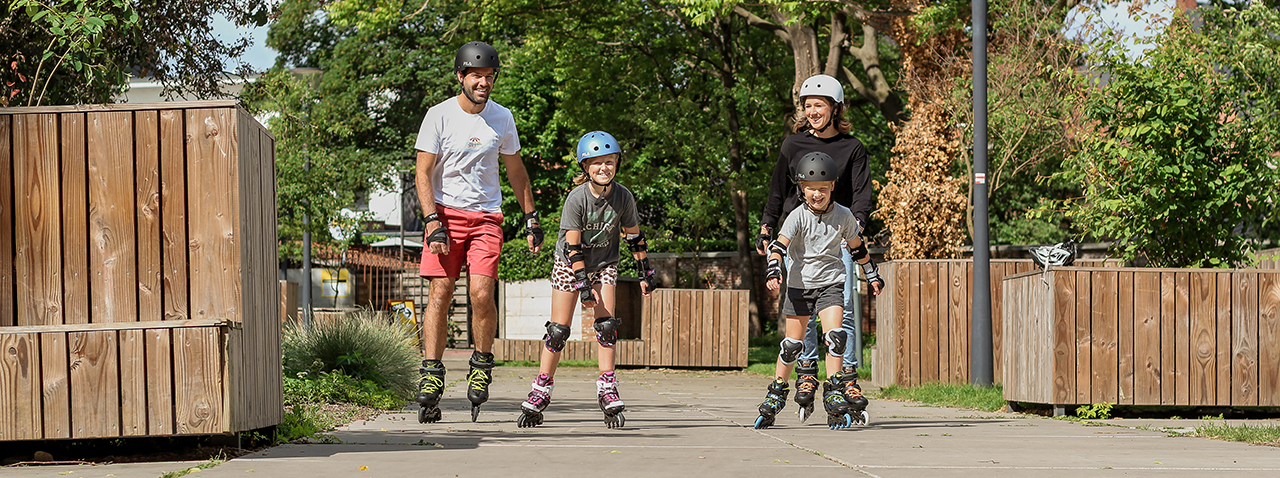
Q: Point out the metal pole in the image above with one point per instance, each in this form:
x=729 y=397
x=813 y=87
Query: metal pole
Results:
x=857 y=320
x=305 y=286
x=980 y=358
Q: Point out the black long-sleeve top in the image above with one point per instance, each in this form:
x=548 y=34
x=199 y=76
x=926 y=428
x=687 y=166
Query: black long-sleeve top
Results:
x=853 y=183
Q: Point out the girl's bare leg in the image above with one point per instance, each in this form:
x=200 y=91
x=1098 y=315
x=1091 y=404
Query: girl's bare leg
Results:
x=562 y=306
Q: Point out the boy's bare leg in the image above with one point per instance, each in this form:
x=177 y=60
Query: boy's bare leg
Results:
x=832 y=318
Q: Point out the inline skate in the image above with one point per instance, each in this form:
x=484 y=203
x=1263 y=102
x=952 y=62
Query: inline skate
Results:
x=610 y=403
x=773 y=403
x=430 y=388
x=537 y=402
x=478 y=380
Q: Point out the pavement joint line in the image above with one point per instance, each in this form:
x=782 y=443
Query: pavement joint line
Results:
x=761 y=433
x=1064 y=468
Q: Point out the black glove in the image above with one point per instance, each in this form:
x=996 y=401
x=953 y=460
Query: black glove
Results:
x=645 y=273
x=534 y=229
x=773 y=269
x=440 y=235
x=583 y=286
x=873 y=274
x=763 y=240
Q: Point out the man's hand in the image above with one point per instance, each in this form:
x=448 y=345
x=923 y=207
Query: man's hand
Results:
x=437 y=236
x=535 y=234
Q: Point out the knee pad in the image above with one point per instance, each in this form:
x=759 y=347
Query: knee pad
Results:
x=557 y=336
x=607 y=330
x=791 y=349
x=836 y=340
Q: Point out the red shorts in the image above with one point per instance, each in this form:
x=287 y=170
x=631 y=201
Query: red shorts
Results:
x=475 y=239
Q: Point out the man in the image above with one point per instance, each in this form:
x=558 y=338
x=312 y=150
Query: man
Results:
x=459 y=145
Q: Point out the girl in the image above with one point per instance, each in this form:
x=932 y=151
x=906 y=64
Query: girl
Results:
x=585 y=266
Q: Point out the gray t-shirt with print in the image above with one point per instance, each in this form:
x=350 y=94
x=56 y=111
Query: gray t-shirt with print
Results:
x=600 y=219
x=815 y=245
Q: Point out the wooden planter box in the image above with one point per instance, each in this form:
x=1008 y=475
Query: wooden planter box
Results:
x=678 y=328
x=1191 y=337
x=138 y=291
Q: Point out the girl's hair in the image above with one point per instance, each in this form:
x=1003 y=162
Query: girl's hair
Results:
x=580 y=178
x=842 y=124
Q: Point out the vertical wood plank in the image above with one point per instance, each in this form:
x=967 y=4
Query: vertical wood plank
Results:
x=958 y=328
x=1146 y=338
x=1124 y=337
x=20 y=398
x=147 y=207
x=710 y=333
x=1269 y=334
x=55 y=385
x=75 y=224
x=95 y=382
x=668 y=312
x=741 y=311
x=37 y=225
x=1182 y=338
x=112 y=250
x=944 y=322
x=1105 y=360
x=173 y=212
x=1203 y=390
x=1084 y=364
x=914 y=326
x=1168 y=334
x=8 y=307
x=1064 y=337
x=997 y=326
x=726 y=326
x=215 y=260
x=1224 y=356
x=680 y=348
x=1244 y=340
x=901 y=324
x=198 y=381
x=159 y=363
x=133 y=383
x=929 y=312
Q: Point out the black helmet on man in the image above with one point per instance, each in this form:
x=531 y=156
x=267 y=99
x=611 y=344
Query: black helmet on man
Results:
x=476 y=54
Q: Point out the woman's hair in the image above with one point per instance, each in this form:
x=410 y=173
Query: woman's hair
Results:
x=842 y=124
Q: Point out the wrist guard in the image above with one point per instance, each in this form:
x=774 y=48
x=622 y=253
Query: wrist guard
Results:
x=532 y=226
x=773 y=269
x=440 y=235
x=583 y=286
x=645 y=272
x=873 y=273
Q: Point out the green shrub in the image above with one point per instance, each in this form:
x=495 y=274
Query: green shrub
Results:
x=337 y=387
x=517 y=264
x=363 y=345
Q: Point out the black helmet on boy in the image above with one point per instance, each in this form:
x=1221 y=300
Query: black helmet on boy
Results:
x=816 y=166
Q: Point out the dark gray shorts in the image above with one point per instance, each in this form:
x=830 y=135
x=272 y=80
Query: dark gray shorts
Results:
x=807 y=302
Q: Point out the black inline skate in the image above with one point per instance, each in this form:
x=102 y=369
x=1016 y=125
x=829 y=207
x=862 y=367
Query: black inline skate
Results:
x=773 y=403
x=430 y=388
x=478 y=380
x=539 y=398
x=837 y=407
x=806 y=387
x=853 y=394
x=610 y=403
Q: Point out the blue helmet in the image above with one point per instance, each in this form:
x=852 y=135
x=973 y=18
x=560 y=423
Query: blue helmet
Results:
x=597 y=143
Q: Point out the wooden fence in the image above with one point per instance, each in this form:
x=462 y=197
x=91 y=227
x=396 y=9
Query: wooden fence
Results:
x=678 y=328
x=924 y=319
x=1193 y=337
x=138 y=291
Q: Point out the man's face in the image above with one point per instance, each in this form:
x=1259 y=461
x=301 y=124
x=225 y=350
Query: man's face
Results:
x=477 y=83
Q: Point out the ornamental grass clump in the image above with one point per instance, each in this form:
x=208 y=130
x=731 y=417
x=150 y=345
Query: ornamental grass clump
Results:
x=364 y=345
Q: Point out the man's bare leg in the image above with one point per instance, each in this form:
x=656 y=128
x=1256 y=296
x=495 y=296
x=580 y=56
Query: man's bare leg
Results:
x=484 y=323
x=434 y=327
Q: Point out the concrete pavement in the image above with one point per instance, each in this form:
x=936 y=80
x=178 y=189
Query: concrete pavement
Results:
x=698 y=423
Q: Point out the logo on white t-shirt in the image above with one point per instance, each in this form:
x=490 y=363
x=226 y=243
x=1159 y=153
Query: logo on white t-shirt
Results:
x=474 y=142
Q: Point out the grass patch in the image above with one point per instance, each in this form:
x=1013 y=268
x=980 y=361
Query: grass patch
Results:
x=949 y=395
x=1254 y=434
x=563 y=363
x=318 y=403
x=215 y=461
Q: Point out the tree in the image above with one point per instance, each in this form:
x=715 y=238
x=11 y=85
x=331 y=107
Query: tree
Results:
x=83 y=51
x=1177 y=160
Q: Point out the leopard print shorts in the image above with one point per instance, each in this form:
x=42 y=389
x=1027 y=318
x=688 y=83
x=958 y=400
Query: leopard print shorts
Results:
x=562 y=276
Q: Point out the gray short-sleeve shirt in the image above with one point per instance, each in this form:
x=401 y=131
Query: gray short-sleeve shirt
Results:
x=815 y=245
x=600 y=219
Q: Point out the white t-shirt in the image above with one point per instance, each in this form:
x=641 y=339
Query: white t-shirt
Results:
x=467 y=147
x=815 y=255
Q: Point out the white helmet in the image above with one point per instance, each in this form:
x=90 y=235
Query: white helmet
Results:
x=823 y=85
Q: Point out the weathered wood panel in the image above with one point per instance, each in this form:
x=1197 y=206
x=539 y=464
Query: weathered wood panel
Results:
x=1167 y=346
x=8 y=312
x=173 y=212
x=1064 y=326
x=112 y=241
x=1105 y=336
x=215 y=259
x=1203 y=367
x=75 y=221
x=198 y=381
x=37 y=226
x=95 y=384
x=1146 y=340
x=1268 y=340
x=133 y=383
x=20 y=400
x=1244 y=339
x=1084 y=364
x=159 y=352
x=928 y=355
x=147 y=210
x=55 y=385
x=1182 y=338
x=1124 y=337
x=958 y=327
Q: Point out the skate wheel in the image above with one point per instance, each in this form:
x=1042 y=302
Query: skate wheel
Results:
x=842 y=421
x=615 y=421
x=428 y=416
x=805 y=412
x=475 y=412
x=763 y=422
x=865 y=418
x=529 y=421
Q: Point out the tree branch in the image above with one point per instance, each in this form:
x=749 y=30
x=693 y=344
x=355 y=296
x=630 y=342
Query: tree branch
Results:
x=763 y=24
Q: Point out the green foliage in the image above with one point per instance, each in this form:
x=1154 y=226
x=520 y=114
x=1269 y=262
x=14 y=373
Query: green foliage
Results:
x=988 y=399
x=362 y=345
x=1097 y=411
x=337 y=387
x=1177 y=154
x=1256 y=434
x=518 y=264
x=84 y=51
